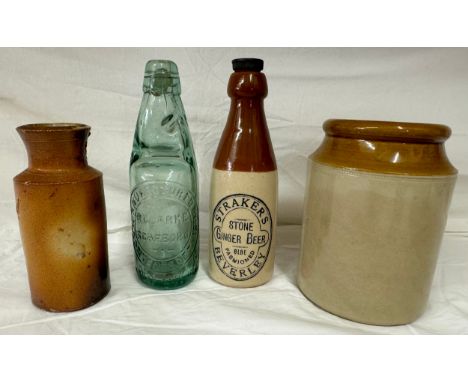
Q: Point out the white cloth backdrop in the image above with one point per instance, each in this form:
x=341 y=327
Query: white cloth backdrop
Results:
x=102 y=88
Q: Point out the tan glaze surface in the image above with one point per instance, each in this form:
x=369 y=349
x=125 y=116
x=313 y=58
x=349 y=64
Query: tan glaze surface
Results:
x=387 y=130
x=61 y=212
x=244 y=170
x=375 y=210
x=385 y=147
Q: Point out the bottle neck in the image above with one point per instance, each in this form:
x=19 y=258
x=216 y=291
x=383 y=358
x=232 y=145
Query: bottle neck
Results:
x=245 y=144
x=160 y=123
x=160 y=86
x=247 y=115
x=44 y=156
x=55 y=147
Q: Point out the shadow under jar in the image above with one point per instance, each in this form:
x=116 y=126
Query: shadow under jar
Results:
x=375 y=210
x=62 y=218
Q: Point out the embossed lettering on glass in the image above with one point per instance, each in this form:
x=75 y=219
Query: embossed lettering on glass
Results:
x=164 y=185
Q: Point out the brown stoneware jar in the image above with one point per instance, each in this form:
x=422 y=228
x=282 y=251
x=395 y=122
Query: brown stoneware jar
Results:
x=375 y=210
x=62 y=218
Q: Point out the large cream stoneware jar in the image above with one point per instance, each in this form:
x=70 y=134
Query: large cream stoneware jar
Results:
x=375 y=211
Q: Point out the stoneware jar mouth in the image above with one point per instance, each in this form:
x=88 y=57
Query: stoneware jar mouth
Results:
x=387 y=130
x=54 y=131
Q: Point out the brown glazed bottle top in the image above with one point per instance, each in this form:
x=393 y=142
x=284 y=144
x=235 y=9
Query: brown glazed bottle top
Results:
x=56 y=151
x=399 y=148
x=245 y=144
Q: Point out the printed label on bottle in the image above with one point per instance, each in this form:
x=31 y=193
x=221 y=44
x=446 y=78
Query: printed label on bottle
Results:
x=241 y=236
x=163 y=223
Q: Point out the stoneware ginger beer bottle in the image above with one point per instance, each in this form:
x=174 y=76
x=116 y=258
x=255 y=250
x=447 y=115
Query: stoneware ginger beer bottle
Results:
x=244 y=185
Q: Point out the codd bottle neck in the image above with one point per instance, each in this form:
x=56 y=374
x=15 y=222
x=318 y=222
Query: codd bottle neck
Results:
x=161 y=77
x=159 y=86
x=161 y=126
x=162 y=129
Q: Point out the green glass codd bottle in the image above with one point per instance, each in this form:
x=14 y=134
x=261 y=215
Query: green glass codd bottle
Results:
x=164 y=184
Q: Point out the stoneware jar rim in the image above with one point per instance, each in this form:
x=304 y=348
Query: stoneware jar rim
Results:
x=46 y=132
x=387 y=130
x=52 y=127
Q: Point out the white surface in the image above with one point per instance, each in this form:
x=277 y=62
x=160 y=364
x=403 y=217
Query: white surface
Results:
x=102 y=88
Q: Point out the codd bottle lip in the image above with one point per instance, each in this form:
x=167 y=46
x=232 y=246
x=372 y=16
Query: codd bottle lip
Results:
x=161 y=68
x=161 y=77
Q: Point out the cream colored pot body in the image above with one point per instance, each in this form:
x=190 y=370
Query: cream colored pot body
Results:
x=370 y=242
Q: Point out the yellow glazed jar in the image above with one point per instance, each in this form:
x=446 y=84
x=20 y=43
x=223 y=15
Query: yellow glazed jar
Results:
x=375 y=210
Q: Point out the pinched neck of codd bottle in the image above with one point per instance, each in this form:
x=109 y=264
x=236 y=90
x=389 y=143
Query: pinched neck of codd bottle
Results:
x=162 y=127
x=55 y=147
